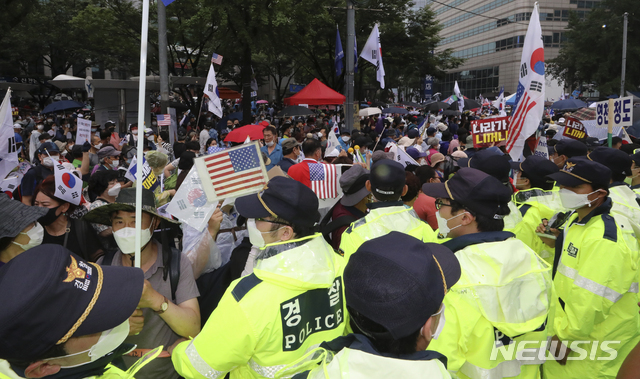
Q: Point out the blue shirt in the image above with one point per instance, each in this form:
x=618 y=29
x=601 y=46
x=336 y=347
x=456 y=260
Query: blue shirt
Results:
x=275 y=156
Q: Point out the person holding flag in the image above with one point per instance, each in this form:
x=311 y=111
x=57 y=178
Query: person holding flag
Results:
x=211 y=90
x=459 y=97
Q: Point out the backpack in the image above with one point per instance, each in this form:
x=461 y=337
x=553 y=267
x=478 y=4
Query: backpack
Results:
x=328 y=226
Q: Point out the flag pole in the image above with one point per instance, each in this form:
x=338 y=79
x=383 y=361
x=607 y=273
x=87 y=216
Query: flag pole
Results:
x=142 y=105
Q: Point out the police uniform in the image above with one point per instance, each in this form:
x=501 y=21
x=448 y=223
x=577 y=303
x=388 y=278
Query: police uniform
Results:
x=596 y=279
x=504 y=295
x=294 y=298
x=387 y=180
x=69 y=298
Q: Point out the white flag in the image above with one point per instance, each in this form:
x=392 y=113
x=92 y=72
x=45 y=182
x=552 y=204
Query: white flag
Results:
x=211 y=90
x=248 y=140
x=8 y=151
x=372 y=52
x=401 y=156
x=88 y=86
x=68 y=186
x=190 y=203
x=456 y=91
x=529 y=107
x=332 y=141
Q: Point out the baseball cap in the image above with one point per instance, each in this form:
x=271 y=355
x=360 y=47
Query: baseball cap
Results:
x=49 y=147
x=108 y=151
x=570 y=148
x=536 y=167
x=282 y=197
x=415 y=153
x=49 y=294
x=616 y=160
x=399 y=291
x=381 y=154
x=476 y=190
x=289 y=143
x=578 y=170
x=387 y=180
x=413 y=133
x=353 y=186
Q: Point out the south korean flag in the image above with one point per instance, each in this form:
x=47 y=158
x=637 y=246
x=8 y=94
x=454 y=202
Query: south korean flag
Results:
x=68 y=185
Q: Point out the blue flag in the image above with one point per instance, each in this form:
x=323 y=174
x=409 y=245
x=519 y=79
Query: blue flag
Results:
x=167 y=2
x=355 y=53
x=339 y=53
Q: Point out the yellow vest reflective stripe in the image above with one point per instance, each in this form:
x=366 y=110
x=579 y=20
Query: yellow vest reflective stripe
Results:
x=200 y=365
x=592 y=286
x=266 y=371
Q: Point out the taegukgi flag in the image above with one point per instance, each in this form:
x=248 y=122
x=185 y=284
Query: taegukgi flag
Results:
x=460 y=98
x=372 y=52
x=211 y=90
x=8 y=150
x=68 y=185
x=529 y=107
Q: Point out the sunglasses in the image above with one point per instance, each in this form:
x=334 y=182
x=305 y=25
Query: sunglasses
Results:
x=440 y=204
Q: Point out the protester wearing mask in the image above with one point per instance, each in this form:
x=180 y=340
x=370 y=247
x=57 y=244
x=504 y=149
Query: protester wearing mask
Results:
x=96 y=145
x=168 y=316
x=394 y=318
x=109 y=159
x=48 y=154
x=491 y=304
x=291 y=151
x=565 y=149
x=132 y=137
x=103 y=189
x=34 y=141
x=293 y=266
x=69 y=323
x=19 y=228
x=597 y=293
x=271 y=146
x=63 y=224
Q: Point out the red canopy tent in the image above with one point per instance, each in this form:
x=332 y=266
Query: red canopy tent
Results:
x=316 y=93
x=227 y=93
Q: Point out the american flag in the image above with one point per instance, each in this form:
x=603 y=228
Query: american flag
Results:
x=323 y=180
x=235 y=170
x=524 y=105
x=164 y=119
x=217 y=59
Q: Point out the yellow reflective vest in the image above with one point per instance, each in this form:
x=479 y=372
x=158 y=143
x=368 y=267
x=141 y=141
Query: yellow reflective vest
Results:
x=624 y=201
x=502 y=300
x=596 y=279
x=382 y=219
x=534 y=205
x=513 y=218
x=293 y=300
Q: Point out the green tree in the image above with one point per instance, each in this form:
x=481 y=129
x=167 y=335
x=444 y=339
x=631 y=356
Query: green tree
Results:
x=592 y=53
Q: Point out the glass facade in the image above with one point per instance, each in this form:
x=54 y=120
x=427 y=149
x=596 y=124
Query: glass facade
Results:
x=472 y=82
x=485 y=8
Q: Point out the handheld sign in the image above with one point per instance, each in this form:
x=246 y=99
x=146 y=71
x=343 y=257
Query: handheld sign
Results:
x=489 y=131
x=84 y=131
x=621 y=108
x=574 y=129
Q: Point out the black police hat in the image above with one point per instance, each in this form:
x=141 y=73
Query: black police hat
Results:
x=476 y=190
x=580 y=170
x=536 y=167
x=618 y=161
x=387 y=179
x=408 y=287
x=570 y=148
x=48 y=295
x=285 y=198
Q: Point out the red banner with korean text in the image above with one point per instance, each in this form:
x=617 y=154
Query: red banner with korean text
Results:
x=574 y=129
x=489 y=131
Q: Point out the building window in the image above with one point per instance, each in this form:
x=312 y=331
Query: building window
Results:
x=472 y=82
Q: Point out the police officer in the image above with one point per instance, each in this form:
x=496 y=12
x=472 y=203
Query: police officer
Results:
x=565 y=149
x=596 y=279
x=536 y=200
x=505 y=292
x=635 y=173
x=395 y=317
x=64 y=317
x=387 y=213
x=292 y=300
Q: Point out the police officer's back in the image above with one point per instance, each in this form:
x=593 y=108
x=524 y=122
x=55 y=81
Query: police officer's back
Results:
x=388 y=213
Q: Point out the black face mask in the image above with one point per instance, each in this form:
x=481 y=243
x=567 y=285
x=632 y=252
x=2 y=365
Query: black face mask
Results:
x=50 y=217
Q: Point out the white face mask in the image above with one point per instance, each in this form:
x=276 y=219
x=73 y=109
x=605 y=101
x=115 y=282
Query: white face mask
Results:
x=35 y=234
x=115 y=163
x=346 y=139
x=98 y=146
x=48 y=162
x=115 y=190
x=440 y=326
x=319 y=134
x=443 y=228
x=269 y=144
x=150 y=138
x=109 y=341
x=40 y=127
x=572 y=200
x=255 y=235
x=126 y=238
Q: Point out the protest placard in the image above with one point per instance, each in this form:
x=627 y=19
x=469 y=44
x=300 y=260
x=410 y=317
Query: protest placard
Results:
x=622 y=112
x=84 y=131
x=573 y=128
x=489 y=131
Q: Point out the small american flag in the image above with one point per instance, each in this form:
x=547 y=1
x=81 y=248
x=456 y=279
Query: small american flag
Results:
x=164 y=119
x=235 y=170
x=323 y=180
x=217 y=59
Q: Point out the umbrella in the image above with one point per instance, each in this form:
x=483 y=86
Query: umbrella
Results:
x=379 y=104
x=584 y=114
x=295 y=110
x=239 y=135
x=62 y=105
x=369 y=112
x=569 y=104
x=395 y=110
x=411 y=104
x=451 y=112
x=262 y=102
x=436 y=106
x=468 y=105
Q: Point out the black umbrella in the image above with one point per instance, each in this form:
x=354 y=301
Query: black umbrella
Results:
x=395 y=110
x=379 y=104
x=569 y=104
x=62 y=105
x=295 y=110
x=451 y=112
x=436 y=106
x=412 y=104
x=468 y=104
